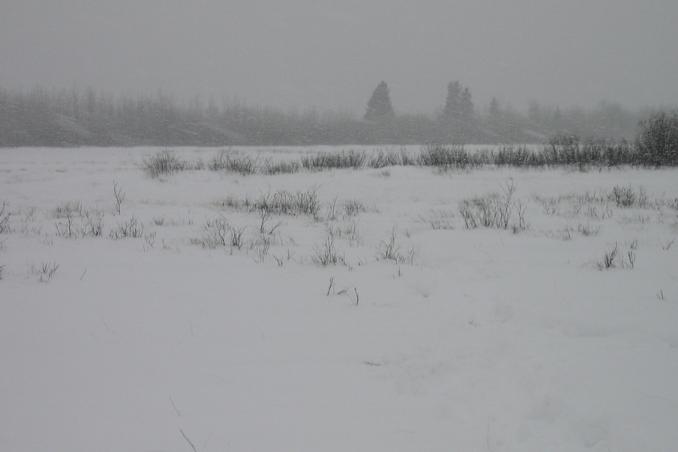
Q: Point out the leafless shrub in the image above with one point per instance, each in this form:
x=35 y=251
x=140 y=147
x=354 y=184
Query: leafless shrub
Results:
x=130 y=229
x=407 y=159
x=332 y=160
x=588 y=230
x=454 y=156
x=614 y=258
x=159 y=221
x=383 y=159
x=479 y=212
x=68 y=209
x=389 y=249
x=264 y=216
x=521 y=222
x=290 y=203
x=657 y=140
x=236 y=236
x=164 y=164
x=280 y=260
x=264 y=227
x=495 y=210
x=262 y=246
x=2 y=269
x=66 y=227
x=566 y=233
x=74 y=221
x=609 y=259
x=506 y=204
x=4 y=218
x=550 y=205
x=224 y=162
x=278 y=203
x=326 y=253
x=281 y=167
x=626 y=196
x=118 y=198
x=218 y=233
x=45 y=271
x=667 y=245
x=332 y=210
x=347 y=231
x=215 y=233
x=92 y=223
x=353 y=207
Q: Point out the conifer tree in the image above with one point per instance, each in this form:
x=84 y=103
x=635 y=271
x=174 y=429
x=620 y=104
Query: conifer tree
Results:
x=379 y=106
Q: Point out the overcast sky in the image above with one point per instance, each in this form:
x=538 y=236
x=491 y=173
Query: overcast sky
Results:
x=332 y=53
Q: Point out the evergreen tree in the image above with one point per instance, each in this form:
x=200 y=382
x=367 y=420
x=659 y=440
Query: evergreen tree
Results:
x=453 y=101
x=466 y=106
x=379 y=106
x=457 y=119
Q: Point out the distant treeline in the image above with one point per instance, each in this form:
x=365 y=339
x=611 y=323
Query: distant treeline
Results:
x=42 y=117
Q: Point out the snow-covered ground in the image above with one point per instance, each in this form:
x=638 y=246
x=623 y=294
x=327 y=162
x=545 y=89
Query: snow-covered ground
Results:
x=468 y=340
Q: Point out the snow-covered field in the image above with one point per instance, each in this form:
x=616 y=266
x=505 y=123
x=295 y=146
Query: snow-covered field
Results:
x=450 y=339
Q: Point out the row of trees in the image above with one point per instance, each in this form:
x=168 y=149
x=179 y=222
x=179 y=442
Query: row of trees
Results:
x=43 y=117
x=459 y=122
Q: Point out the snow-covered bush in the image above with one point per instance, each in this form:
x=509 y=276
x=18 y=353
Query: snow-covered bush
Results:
x=330 y=160
x=163 y=163
x=326 y=253
x=240 y=165
x=130 y=229
x=45 y=271
x=657 y=141
x=281 y=167
x=626 y=196
x=4 y=218
x=494 y=210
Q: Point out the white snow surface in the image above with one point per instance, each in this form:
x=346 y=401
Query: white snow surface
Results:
x=486 y=340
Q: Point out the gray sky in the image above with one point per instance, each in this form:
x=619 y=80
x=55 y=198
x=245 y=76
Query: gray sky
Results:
x=331 y=54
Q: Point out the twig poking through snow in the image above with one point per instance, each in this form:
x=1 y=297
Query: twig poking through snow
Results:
x=329 y=288
x=174 y=407
x=190 y=443
x=119 y=197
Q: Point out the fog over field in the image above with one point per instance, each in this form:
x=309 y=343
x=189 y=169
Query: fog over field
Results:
x=338 y=226
x=328 y=54
x=302 y=72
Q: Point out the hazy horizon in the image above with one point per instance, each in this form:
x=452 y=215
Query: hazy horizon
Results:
x=320 y=54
